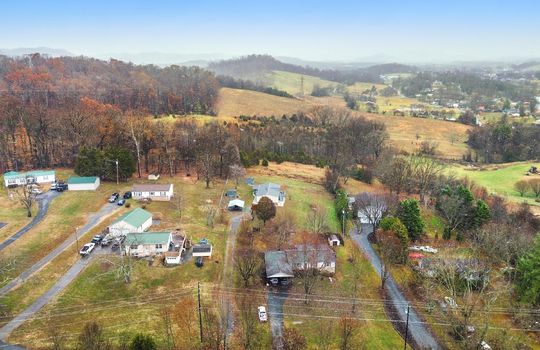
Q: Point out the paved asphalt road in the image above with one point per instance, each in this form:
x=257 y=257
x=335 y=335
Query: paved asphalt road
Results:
x=43 y=201
x=94 y=219
x=66 y=279
x=417 y=330
x=276 y=299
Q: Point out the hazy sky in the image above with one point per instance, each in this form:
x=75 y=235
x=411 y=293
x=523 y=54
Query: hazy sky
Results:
x=318 y=30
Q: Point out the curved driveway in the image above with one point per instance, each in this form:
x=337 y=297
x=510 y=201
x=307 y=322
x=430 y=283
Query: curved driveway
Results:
x=43 y=201
x=417 y=331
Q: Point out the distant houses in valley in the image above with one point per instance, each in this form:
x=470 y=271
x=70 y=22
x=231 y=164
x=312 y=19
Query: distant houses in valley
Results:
x=155 y=192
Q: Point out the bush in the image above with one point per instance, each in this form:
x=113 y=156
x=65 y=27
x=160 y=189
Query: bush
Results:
x=363 y=174
x=265 y=162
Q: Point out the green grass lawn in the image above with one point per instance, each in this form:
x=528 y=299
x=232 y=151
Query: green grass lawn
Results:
x=499 y=179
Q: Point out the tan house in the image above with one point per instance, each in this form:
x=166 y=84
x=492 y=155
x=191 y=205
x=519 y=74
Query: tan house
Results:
x=155 y=192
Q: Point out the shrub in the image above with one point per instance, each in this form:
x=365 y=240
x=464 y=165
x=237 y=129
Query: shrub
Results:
x=363 y=174
x=265 y=162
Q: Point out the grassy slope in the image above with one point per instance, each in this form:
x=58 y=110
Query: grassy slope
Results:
x=499 y=179
x=402 y=130
x=291 y=82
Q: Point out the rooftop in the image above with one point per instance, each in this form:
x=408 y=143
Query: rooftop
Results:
x=148 y=238
x=202 y=248
x=82 y=180
x=135 y=218
x=277 y=264
x=268 y=189
x=29 y=173
x=151 y=187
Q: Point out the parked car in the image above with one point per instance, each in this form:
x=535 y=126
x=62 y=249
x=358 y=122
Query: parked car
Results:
x=127 y=195
x=61 y=187
x=87 y=249
x=36 y=190
x=115 y=246
x=121 y=202
x=97 y=239
x=113 y=197
x=263 y=317
x=199 y=262
x=54 y=186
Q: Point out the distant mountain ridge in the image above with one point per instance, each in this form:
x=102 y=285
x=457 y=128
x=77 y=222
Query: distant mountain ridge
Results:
x=42 y=50
x=255 y=67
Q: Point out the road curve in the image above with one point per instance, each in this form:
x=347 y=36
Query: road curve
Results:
x=417 y=330
x=43 y=202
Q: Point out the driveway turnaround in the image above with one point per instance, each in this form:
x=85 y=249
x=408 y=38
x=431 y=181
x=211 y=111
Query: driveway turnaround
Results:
x=417 y=330
x=43 y=201
x=94 y=220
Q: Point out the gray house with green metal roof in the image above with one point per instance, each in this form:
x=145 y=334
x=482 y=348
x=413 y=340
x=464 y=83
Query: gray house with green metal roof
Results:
x=83 y=183
x=142 y=244
x=137 y=220
x=14 y=178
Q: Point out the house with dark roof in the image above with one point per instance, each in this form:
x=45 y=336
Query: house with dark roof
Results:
x=281 y=265
x=83 y=183
x=155 y=192
x=202 y=249
x=137 y=220
x=271 y=191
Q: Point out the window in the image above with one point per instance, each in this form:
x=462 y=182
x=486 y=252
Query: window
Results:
x=134 y=246
x=151 y=193
x=163 y=194
x=46 y=177
x=159 y=246
x=11 y=181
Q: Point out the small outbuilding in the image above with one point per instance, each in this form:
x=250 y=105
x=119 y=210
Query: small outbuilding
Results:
x=334 y=241
x=232 y=193
x=202 y=249
x=236 y=205
x=84 y=183
x=137 y=220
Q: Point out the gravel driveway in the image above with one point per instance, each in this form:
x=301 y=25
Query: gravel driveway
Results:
x=43 y=201
x=417 y=331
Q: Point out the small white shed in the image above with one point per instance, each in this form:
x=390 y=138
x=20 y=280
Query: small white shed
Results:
x=85 y=183
x=236 y=205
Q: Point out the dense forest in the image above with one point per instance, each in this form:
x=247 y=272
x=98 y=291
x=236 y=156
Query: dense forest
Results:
x=255 y=66
x=40 y=81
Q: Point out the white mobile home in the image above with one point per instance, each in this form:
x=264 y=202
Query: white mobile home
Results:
x=14 y=178
x=137 y=220
x=87 y=183
x=155 y=192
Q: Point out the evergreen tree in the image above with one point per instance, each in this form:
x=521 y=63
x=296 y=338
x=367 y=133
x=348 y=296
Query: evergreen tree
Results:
x=409 y=214
x=126 y=163
x=528 y=272
x=142 y=342
x=89 y=162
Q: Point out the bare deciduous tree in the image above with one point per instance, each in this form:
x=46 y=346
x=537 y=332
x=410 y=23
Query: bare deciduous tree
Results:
x=348 y=327
x=317 y=220
x=247 y=263
x=371 y=207
x=26 y=198
x=237 y=173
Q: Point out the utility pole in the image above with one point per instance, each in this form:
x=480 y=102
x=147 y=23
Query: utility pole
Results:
x=343 y=223
x=117 y=182
x=406 y=328
x=200 y=316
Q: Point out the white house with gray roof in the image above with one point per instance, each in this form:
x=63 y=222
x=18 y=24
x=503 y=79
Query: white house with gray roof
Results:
x=137 y=220
x=271 y=191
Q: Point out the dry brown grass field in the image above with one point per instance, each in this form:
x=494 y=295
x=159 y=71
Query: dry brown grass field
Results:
x=406 y=133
